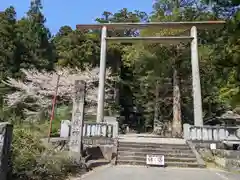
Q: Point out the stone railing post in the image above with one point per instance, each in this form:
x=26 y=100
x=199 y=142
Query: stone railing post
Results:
x=186 y=131
x=113 y=121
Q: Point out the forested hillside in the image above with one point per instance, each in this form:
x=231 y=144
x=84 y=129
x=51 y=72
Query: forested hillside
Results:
x=144 y=71
x=140 y=77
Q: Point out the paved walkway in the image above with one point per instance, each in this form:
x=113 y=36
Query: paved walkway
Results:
x=143 y=173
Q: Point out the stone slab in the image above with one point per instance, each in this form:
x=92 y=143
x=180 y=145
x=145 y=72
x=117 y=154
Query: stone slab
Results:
x=65 y=128
x=156 y=140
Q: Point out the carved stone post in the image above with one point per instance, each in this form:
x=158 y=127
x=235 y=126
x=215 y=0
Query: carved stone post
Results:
x=75 y=144
x=5 y=149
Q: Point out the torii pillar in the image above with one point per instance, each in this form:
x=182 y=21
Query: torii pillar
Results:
x=196 y=85
x=102 y=74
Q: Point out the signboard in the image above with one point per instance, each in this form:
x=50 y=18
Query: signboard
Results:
x=157 y=160
x=213 y=146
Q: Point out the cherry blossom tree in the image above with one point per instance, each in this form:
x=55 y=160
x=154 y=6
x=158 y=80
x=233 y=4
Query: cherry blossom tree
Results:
x=36 y=90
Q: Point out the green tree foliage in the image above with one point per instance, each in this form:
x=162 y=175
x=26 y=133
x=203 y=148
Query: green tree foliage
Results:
x=35 y=49
x=75 y=48
x=8 y=52
x=27 y=43
x=7 y=42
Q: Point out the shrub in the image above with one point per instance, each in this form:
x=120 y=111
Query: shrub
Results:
x=55 y=166
x=25 y=150
x=32 y=161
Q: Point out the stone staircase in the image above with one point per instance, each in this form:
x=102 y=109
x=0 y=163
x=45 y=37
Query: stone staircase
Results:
x=177 y=155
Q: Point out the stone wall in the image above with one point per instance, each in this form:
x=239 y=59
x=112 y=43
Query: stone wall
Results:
x=201 y=144
x=97 y=147
x=227 y=159
x=5 y=149
x=228 y=153
x=99 y=139
x=228 y=163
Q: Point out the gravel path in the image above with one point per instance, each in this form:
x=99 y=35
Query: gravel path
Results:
x=143 y=173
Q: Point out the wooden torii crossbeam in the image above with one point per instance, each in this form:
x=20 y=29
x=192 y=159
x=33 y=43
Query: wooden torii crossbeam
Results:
x=192 y=37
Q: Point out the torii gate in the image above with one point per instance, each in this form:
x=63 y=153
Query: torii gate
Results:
x=191 y=30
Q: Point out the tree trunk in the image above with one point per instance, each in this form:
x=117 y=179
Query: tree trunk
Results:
x=177 y=121
x=156 y=121
x=116 y=97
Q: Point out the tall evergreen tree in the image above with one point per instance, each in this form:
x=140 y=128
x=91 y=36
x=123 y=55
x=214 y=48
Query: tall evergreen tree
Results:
x=7 y=42
x=35 y=47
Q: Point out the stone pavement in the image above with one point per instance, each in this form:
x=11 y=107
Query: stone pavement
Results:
x=127 y=172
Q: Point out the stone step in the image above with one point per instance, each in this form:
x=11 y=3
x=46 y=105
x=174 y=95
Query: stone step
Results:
x=155 y=147
x=165 y=153
x=159 y=150
x=167 y=164
x=136 y=144
x=163 y=146
x=156 y=140
x=166 y=158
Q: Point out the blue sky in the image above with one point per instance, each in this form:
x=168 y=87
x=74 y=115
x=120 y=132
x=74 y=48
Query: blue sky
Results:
x=72 y=12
